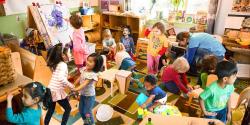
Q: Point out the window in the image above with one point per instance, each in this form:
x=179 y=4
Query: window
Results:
x=154 y=6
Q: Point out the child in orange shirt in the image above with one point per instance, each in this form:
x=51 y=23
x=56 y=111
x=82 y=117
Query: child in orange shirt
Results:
x=157 y=46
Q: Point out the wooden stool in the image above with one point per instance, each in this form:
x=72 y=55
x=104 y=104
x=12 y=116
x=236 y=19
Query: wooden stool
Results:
x=123 y=77
x=110 y=76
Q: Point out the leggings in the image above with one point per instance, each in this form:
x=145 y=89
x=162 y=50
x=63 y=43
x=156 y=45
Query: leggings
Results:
x=67 y=109
x=152 y=64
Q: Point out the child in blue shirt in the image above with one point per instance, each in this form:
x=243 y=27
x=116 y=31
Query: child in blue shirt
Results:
x=127 y=41
x=215 y=101
x=33 y=93
x=156 y=95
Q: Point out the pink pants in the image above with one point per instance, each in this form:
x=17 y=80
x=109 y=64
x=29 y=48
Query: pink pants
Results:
x=152 y=64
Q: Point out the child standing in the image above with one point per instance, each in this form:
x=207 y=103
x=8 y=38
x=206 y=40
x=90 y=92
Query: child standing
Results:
x=32 y=94
x=208 y=66
x=80 y=50
x=58 y=82
x=156 y=95
x=215 y=101
x=88 y=79
x=174 y=76
x=157 y=46
x=108 y=44
x=127 y=41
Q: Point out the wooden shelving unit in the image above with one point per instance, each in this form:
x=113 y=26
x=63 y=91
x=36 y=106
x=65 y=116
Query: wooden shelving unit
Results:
x=115 y=21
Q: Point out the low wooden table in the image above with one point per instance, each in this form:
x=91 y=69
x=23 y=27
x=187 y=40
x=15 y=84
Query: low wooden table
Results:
x=13 y=87
x=178 y=120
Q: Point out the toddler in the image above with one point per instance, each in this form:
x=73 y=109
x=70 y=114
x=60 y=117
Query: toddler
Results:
x=215 y=100
x=80 y=49
x=108 y=44
x=127 y=41
x=157 y=46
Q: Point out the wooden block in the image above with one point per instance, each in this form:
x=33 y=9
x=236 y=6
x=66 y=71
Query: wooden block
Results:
x=16 y=61
x=123 y=77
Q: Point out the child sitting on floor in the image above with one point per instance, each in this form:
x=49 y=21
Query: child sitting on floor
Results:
x=174 y=77
x=156 y=95
x=127 y=41
x=165 y=60
x=108 y=44
x=215 y=100
x=209 y=63
x=125 y=62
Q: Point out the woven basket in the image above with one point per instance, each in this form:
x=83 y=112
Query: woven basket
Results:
x=7 y=73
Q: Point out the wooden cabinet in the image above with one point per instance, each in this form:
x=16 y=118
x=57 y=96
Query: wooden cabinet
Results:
x=91 y=26
x=141 y=50
x=115 y=22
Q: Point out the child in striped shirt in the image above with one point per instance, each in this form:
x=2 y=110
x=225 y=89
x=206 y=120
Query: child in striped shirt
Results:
x=55 y=60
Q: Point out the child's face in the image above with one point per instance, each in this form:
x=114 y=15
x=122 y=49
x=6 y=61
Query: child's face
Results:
x=148 y=85
x=66 y=56
x=156 y=31
x=107 y=36
x=126 y=32
x=90 y=63
x=231 y=79
x=27 y=99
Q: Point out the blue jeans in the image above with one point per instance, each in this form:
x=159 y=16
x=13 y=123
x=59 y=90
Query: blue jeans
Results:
x=221 y=115
x=172 y=87
x=85 y=107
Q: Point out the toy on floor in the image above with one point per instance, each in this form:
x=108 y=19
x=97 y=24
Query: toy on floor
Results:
x=167 y=110
x=142 y=113
x=104 y=113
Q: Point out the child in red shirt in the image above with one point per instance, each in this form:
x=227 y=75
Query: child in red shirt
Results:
x=174 y=76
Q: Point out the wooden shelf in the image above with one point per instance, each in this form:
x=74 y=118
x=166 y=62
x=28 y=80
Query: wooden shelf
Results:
x=245 y=14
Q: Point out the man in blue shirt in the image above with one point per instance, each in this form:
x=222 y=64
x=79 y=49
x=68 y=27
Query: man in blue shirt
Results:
x=199 y=45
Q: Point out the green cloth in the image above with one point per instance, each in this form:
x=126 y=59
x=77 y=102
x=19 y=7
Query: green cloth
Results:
x=203 y=80
x=215 y=97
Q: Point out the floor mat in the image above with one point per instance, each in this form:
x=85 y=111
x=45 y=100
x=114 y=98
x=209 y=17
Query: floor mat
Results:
x=125 y=102
x=192 y=112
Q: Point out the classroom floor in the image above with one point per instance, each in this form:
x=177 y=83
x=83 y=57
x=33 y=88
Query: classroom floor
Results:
x=125 y=107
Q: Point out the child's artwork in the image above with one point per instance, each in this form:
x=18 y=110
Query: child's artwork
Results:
x=55 y=18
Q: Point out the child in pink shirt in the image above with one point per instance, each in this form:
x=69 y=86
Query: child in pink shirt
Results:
x=80 y=50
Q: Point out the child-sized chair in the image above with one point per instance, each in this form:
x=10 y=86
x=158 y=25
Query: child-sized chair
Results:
x=243 y=98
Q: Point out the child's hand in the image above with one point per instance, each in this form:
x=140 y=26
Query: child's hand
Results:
x=9 y=96
x=210 y=113
x=189 y=87
x=151 y=109
x=229 y=116
x=143 y=106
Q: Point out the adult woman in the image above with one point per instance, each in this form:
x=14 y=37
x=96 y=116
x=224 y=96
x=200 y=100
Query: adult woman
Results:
x=199 y=45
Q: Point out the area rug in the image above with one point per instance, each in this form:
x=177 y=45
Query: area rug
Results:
x=72 y=119
x=125 y=102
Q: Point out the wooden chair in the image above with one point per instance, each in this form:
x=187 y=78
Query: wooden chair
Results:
x=243 y=99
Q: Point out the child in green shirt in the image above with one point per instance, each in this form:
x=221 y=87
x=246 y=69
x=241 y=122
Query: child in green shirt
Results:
x=215 y=100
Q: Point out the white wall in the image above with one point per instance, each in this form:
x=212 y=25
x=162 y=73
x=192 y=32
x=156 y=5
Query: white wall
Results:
x=224 y=8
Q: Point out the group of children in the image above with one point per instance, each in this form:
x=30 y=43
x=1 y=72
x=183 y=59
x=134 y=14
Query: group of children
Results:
x=215 y=100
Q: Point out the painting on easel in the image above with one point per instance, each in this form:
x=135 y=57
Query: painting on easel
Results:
x=55 y=18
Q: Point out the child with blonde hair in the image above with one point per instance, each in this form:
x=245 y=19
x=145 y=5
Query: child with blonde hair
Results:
x=125 y=62
x=157 y=46
x=109 y=44
x=174 y=76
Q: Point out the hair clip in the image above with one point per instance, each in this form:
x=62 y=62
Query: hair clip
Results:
x=34 y=85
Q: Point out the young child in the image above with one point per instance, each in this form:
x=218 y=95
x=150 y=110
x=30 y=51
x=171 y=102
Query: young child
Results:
x=156 y=95
x=174 y=76
x=208 y=66
x=165 y=60
x=125 y=62
x=88 y=79
x=157 y=46
x=127 y=41
x=215 y=100
x=32 y=94
x=58 y=82
x=108 y=44
x=80 y=50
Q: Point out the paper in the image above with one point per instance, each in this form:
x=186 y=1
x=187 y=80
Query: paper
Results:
x=243 y=70
x=233 y=22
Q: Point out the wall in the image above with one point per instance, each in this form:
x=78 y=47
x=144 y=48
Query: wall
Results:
x=224 y=9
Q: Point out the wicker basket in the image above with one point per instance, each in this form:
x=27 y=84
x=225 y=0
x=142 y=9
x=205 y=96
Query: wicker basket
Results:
x=7 y=73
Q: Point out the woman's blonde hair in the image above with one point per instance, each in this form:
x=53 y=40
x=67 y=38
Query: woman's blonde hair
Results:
x=181 y=65
x=107 y=32
x=120 y=47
